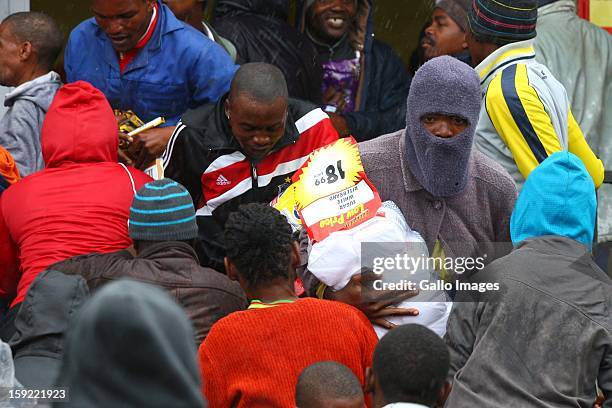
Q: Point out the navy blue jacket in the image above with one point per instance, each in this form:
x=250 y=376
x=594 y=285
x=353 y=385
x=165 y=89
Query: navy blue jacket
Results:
x=178 y=69
x=260 y=32
x=384 y=93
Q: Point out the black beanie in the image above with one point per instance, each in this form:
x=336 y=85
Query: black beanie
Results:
x=503 y=21
x=162 y=210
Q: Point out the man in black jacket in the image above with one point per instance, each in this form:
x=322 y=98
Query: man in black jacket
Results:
x=260 y=33
x=365 y=83
x=162 y=225
x=243 y=149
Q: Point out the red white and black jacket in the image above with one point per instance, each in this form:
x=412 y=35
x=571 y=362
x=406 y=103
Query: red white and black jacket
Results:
x=203 y=155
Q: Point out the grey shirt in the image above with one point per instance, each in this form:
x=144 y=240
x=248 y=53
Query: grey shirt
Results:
x=21 y=125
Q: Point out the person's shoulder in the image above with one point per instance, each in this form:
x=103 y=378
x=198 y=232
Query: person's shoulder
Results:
x=201 y=127
x=188 y=36
x=234 y=326
x=85 y=29
x=300 y=108
x=214 y=280
x=140 y=177
x=186 y=40
x=382 y=145
x=14 y=196
x=385 y=53
x=492 y=175
x=382 y=47
x=331 y=307
x=312 y=122
x=200 y=118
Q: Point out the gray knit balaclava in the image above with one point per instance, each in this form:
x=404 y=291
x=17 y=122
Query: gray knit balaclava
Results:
x=162 y=210
x=443 y=85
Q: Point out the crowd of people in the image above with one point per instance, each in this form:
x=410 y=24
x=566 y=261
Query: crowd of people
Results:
x=145 y=259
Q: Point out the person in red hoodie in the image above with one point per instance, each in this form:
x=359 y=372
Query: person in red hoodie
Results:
x=80 y=202
x=253 y=358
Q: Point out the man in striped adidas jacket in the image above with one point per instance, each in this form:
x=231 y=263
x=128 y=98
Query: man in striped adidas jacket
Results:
x=525 y=115
x=242 y=149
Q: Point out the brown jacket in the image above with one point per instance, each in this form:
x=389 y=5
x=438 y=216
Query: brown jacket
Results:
x=205 y=294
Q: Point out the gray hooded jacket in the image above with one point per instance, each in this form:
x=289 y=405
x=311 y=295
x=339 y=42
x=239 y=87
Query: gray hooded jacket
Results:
x=38 y=343
x=21 y=124
x=545 y=338
x=130 y=345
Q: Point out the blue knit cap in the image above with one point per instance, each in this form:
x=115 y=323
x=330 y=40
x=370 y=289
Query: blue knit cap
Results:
x=162 y=210
x=558 y=198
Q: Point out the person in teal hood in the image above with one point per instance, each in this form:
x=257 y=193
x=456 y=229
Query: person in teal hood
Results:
x=545 y=337
x=558 y=198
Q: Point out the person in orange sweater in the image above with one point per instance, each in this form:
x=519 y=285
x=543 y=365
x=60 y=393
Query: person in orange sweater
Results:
x=253 y=358
x=9 y=173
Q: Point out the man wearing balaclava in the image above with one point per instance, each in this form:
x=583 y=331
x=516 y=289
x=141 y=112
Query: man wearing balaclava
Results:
x=456 y=198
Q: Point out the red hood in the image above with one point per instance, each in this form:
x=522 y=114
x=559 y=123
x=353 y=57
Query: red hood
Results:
x=79 y=127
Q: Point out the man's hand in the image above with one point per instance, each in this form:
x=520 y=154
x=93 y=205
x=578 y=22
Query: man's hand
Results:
x=334 y=96
x=124 y=157
x=340 y=124
x=149 y=145
x=377 y=308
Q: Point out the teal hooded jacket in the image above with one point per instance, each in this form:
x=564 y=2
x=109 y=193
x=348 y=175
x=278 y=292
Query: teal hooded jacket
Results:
x=559 y=199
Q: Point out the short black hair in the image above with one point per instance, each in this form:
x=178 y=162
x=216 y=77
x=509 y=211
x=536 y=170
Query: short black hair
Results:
x=41 y=31
x=325 y=380
x=258 y=240
x=260 y=81
x=411 y=364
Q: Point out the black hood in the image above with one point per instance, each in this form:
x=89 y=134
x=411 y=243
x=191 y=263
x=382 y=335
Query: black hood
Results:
x=38 y=343
x=269 y=8
x=131 y=346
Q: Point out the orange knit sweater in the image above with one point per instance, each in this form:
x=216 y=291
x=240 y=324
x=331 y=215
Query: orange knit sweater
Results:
x=253 y=358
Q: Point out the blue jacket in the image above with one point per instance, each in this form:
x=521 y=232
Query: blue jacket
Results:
x=558 y=198
x=178 y=69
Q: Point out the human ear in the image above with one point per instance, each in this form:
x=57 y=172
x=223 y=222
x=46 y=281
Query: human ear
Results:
x=295 y=254
x=370 y=380
x=25 y=51
x=226 y=108
x=230 y=269
x=443 y=395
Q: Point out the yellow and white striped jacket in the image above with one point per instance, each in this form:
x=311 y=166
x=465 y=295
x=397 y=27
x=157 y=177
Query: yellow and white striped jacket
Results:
x=525 y=114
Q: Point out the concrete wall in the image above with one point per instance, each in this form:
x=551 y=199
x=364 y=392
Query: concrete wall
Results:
x=8 y=7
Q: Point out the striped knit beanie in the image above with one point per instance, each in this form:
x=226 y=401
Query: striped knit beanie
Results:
x=456 y=9
x=503 y=21
x=162 y=210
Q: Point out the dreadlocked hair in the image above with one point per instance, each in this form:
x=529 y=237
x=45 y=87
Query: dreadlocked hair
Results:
x=258 y=241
